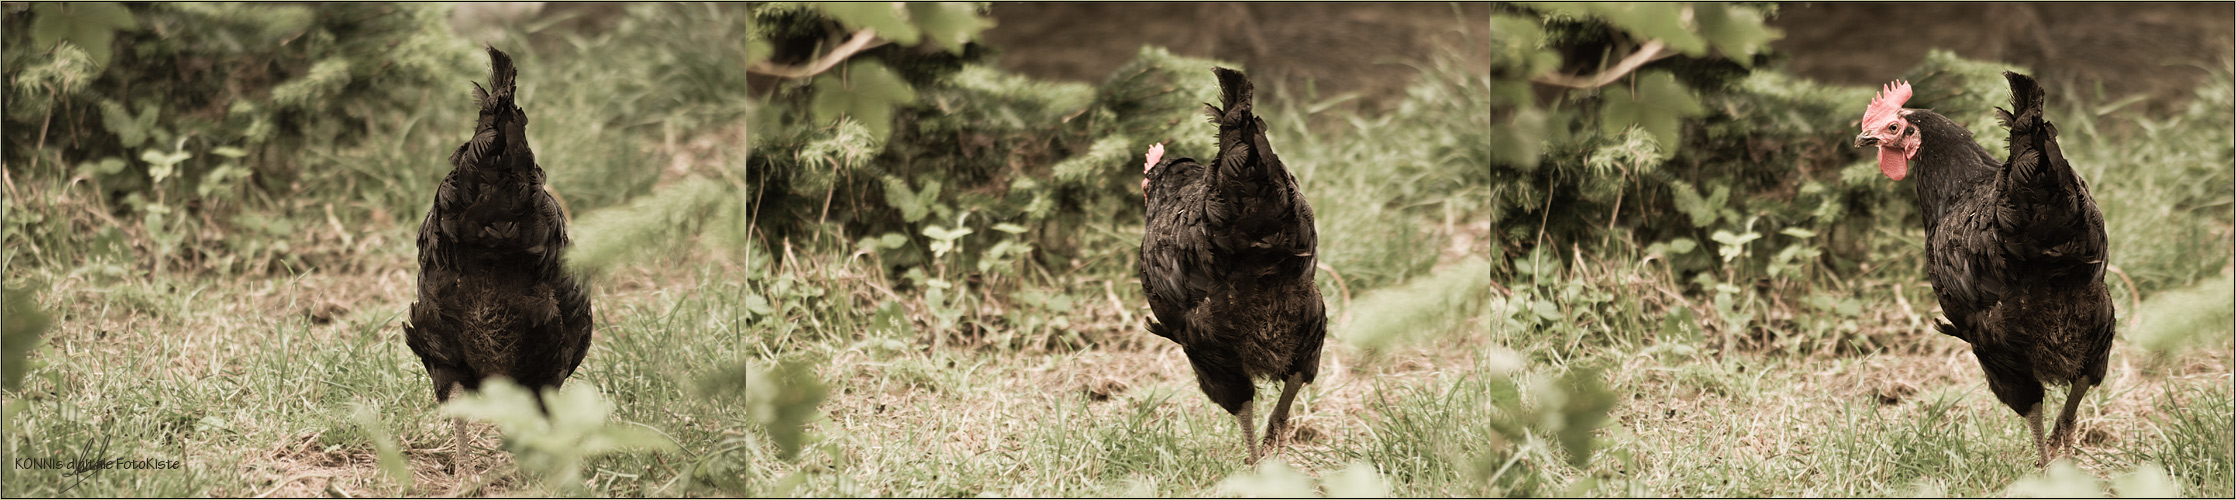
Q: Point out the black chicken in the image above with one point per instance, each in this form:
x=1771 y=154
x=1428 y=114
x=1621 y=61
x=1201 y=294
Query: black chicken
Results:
x=1227 y=263
x=494 y=299
x=2015 y=249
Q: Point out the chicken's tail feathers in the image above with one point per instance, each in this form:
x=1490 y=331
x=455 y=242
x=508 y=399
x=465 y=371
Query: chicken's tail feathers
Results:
x=2044 y=205
x=500 y=127
x=1242 y=156
x=1235 y=94
x=501 y=77
x=2027 y=98
x=1234 y=89
x=2035 y=161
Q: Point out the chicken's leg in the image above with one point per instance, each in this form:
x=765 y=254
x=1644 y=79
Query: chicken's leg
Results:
x=2041 y=448
x=458 y=437
x=2063 y=437
x=458 y=446
x=1249 y=440
x=1277 y=428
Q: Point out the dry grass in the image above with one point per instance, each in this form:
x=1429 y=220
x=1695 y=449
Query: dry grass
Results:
x=1766 y=413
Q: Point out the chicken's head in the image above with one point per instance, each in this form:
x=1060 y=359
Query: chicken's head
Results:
x=1887 y=125
x=1155 y=152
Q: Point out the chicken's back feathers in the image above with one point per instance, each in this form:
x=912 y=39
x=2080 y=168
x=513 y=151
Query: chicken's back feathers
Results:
x=1227 y=257
x=494 y=297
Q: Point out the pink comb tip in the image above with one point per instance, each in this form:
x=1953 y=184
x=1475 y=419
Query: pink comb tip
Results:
x=1896 y=93
x=1155 y=152
x=1887 y=104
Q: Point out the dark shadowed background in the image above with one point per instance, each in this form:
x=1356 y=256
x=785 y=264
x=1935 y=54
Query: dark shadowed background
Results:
x=2152 y=48
x=2157 y=49
x=1368 y=48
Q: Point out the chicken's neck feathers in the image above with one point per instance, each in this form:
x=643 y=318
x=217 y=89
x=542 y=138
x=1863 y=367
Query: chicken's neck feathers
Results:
x=1948 y=165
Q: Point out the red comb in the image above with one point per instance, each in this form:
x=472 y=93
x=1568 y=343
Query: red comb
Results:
x=1888 y=103
x=1155 y=152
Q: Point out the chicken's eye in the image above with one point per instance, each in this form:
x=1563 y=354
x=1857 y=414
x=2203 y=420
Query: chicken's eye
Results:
x=1892 y=126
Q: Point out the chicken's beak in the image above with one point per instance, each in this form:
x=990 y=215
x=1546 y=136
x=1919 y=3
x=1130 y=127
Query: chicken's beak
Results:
x=1866 y=139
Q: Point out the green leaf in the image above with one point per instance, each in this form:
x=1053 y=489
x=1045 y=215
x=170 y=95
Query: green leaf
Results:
x=952 y=24
x=930 y=194
x=1359 y=480
x=993 y=255
x=757 y=304
x=1546 y=310
x=1581 y=408
x=21 y=325
x=161 y=164
x=866 y=91
x=1688 y=200
x=1657 y=103
x=325 y=79
x=49 y=23
x=499 y=401
x=2147 y=481
x=111 y=15
x=1273 y=478
x=783 y=401
x=1518 y=42
x=606 y=237
x=2060 y=479
x=1646 y=20
x=220 y=179
x=1733 y=244
x=1680 y=321
x=943 y=239
x=99 y=43
x=90 y=25
x=391 y=455
x=1519 y=141
x=897 y=195
x=886 y=18
x=1798 y=232
x=944 y=234
x=132 y=130
x=2173 y=320
x=554 y=446
x=1736 y=31
x=757 y=51
x=110 y=166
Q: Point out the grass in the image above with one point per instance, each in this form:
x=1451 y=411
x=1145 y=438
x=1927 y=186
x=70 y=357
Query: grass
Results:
x=252 y=381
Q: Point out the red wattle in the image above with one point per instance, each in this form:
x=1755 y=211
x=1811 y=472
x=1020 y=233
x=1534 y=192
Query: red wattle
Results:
x=1894 y=163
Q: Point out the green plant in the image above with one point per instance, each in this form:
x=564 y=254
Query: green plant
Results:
x=384 y=444
x=2198 y=449
x=1568 y=148
x=2062 y=479
x=19 y=335
x=1274 y=478
x=780 y=402
x=554 y=444
x=1486 y=433
x=215 y=102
